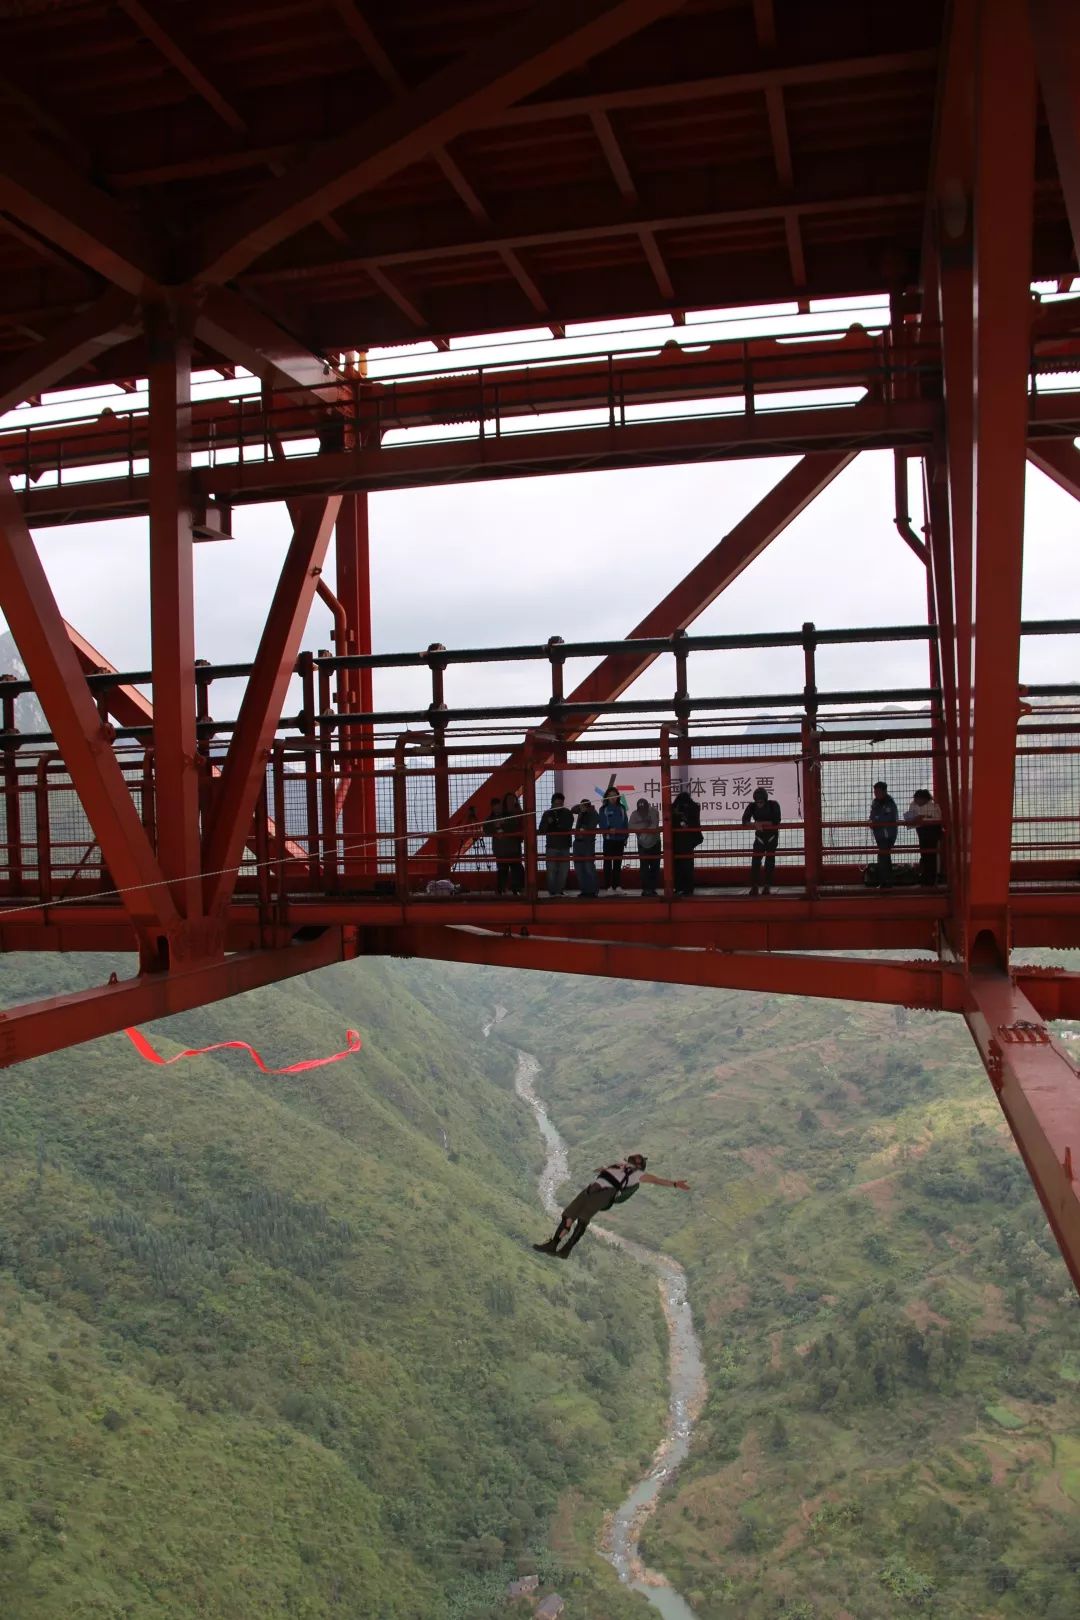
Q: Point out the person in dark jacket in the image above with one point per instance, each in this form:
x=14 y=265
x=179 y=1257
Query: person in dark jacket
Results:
x=556 y=826
x=884 y=823
x=613 y=1184
x=613 y=825
x=506 y=844
x=585 y=850
x=764 y=813
x=686 y=836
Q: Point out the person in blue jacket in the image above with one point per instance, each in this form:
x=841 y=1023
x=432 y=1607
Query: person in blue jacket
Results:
x=614 y=824
x=884 y=825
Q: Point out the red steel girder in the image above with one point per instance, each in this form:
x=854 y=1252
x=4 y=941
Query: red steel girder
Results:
x=244 y=766
x=1004 y=179
x=1056 y=28
x=176 y=51
x=172 y=609
x=35 y=622
x=549 y=41
x=1038 y=1088
x=55 y=200
x=111 y=319
x=124 y=704
x=720 y=370
x=867 y=425
x=56 y=1022
x=696 y=591
x=1059 y=459
x=242 y=333
x=931 y=985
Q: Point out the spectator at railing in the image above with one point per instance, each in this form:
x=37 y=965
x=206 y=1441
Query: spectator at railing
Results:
x=489 y=827
x=924 y=814
x=613 y=824
x=765 y=815
x=884 y=822
x=645 y=821
x=686 y=836
x=585 y=850
x=506 y=843
x=556 y=826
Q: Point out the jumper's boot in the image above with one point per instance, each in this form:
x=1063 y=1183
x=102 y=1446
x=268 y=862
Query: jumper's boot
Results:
x=546 y=1248
x=575 y=1237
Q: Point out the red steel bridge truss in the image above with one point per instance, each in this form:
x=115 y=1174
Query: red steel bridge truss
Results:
x=174 y=200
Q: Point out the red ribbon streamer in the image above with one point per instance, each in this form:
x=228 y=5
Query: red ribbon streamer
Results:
x=145 y=1050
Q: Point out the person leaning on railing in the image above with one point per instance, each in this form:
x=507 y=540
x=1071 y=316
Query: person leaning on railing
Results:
x=506 y=842
x=884 y=822
x=924 y=814
x=645 y=821
x=556 y=826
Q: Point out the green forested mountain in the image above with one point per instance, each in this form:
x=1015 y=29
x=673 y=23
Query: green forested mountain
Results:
x=892 y=1340
x=279 y=1346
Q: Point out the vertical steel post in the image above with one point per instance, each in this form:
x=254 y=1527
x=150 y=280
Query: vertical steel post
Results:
x=811 y=768
x=528 y=804
x=1004 y=198
x=13 y=865
x=667 y=850
x=172 y=605
x=355 y=685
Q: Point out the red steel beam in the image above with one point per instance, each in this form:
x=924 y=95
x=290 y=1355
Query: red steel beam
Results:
x=595 y=216
x=867 y=425
x=111 y=319
x=38 y=629
x=1004 y=189
x=1056 y=28
x=172 y=610
x=549 y=41
x=56 y=1022
x=240 y=332
x=684 y=603
x=1038 y=1088
x=62 y=206
x=125 y=704
x=930 y=985
x=671 y=92
x=245 y=763
x=173 y=50
x=1059 y=459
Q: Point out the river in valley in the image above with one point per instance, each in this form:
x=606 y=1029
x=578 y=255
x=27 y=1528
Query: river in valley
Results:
x=623 y=1527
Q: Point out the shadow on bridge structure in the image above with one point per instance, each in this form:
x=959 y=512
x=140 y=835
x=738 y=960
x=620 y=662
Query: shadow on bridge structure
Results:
x=931 y=157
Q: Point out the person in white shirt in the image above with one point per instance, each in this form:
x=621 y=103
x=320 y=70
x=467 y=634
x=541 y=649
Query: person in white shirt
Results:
x=613 y=1184
x=924 y=814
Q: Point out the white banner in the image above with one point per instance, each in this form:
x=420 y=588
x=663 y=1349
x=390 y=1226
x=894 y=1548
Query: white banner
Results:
x=723 y=788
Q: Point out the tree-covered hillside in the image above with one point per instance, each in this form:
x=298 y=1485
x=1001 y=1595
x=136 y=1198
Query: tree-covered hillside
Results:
x=279 y=1346
x=892 y=1340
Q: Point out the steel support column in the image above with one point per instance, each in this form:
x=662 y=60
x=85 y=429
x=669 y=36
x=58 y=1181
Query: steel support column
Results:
x=40 y=635
x=356 y=686
x=1038 y=1088
x=245 y=763
x=172 y=608
x=1004 y=193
